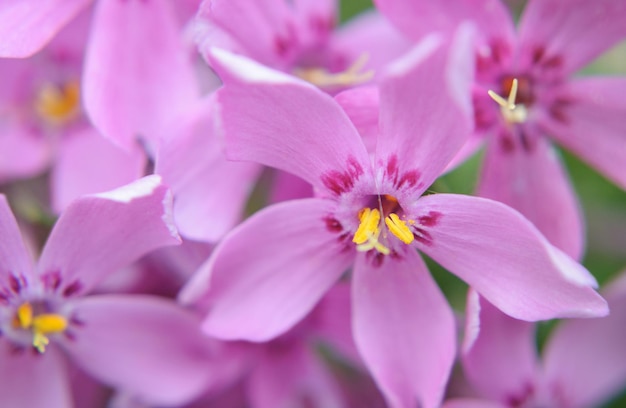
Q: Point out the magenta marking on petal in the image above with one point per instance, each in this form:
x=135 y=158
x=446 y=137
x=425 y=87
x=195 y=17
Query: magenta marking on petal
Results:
x=423 y=237
x=51 y=280
x=557 y=110
x=322 y=25
x=16 y=284
x=375 y=258
x=522 y=398
x=507 y=144
x=342 y=182
x=429 y=220
x=408 y=179
x=72 y=288
x=332 y=224
x=527 y=143
x=539 y=58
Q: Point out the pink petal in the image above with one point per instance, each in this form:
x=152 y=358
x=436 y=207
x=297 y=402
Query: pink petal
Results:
x=88 y=163
x=331 y=322
x=372 y=35
x=269 y=272
x=286 y=186
x=27 y=25
x=98 y=234
x=585 y=359
x=425 y=106
x=591 y=124
x=28 y=379
x=361 y=106
x=24 y=153
x=420 y=17
x=505 y=258
x=15 y=262
x=404 y=329
x=533 y=181
x=144 y=345
x=256 y=26
x=471 y=403
x=210 y=192
x=499 y=356
x=138 y=75
x=574 y=32
x=280 y=121
x=291 y=375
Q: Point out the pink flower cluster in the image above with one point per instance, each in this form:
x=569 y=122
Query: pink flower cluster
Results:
x=226 y=203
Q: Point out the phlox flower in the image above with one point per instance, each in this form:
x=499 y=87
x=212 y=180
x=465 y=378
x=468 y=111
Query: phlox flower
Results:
x=583 y=363
x=371 y=214
x=44 y=126
x=143 y=344
x=300 y=38
x=138 y=74
x=518 y=123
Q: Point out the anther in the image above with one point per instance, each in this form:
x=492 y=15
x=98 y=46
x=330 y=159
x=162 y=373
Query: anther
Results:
x=512 y=113
x=399 y=228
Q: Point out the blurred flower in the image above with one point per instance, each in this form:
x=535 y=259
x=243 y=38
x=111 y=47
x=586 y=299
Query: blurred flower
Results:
x=584 y=115
x=583 y=363
x=144 y=344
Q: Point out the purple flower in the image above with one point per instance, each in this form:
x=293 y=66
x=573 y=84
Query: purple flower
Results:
x=554 y=39
x=583 y=363
x=143 y=344
x=272 y=269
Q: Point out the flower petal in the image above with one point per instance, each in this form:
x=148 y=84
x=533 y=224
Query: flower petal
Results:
x=425 y=106
x=15 y=262
x=88 y=163
x=504 y=258
x=591 y=124
x=144 y=345
x=210 y=192
x=493 y=18
x=404 y=329
x=277 y=120
x=585 y=359
x=28 y=379
x=499 y=355
x=362 y=105
x=574 y=32
x=138 y=75
x=288 y=375
x=471 y=403
x=369 y=34
x=27 y=25
x=269 y=272
x=533 y=181
x=98 y=234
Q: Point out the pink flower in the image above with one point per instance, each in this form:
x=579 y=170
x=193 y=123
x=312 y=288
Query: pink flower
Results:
x=583 y=363
x=301 y=38
x=272 y=269
x=147 y=345
x=554 y=39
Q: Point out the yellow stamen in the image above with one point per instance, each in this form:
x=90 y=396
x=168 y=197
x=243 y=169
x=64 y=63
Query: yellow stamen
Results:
x=366 y=236
x=351 y=76
x=399 y=228
x=25 y=315
x=369 y=225
x=41 y=325
x=512 y=113
x=58 y=105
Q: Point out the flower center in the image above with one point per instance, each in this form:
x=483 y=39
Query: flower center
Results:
x=58 y=105
x=367 y=235
x=353 y=75
x=513 y=113
x=41 y=325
